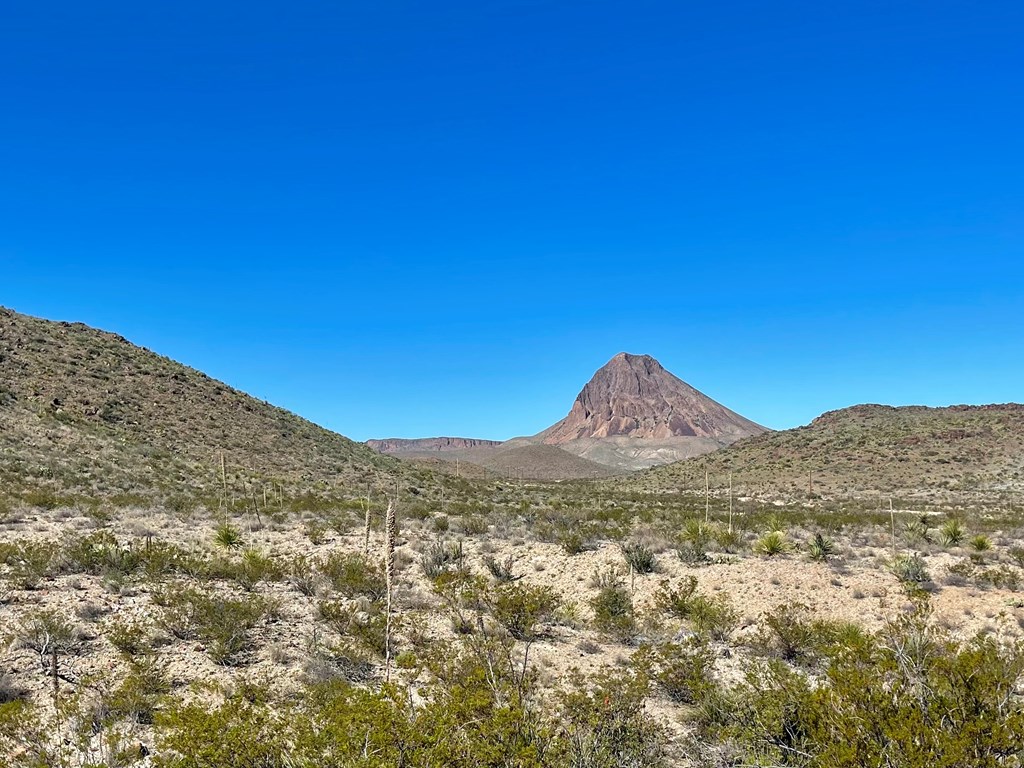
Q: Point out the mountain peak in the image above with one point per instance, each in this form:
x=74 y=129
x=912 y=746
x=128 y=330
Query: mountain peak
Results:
x=634 y=396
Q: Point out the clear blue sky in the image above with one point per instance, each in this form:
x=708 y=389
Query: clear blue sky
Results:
x=411 y=219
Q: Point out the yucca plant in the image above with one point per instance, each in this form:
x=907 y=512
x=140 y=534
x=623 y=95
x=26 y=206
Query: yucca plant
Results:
x=771 y=543
x=227 y=536
x=952 y=533
x=638 y=556
x=821 y=548
x=980 y=543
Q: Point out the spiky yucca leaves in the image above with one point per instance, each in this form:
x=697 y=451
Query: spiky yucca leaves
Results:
x=952 y=533
x=771 y=544
x=821 y=548
x=227 y=536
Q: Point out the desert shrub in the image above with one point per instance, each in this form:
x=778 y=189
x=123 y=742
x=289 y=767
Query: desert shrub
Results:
x=240 y=732
x=604 y=724
x=638 y=556
x=910 y=569
x=255 y=567
x=693 y=542
x=29 y=561
x=137 y=696
x=46 y=633
x=792 y=634
x=728 y=540
x=302 y=576
x=363 y=622
x=227 y=536
x=821 y=548
x=131 y=638
x=910 y=696
x=1017 y=553
x=443 y=557
x=571 y=542
x=952 y=533
x=772 y=543
x=351 y=575
x=916 y=531
x=222 y=623
x=502 y=570
x=980 y=543
x=316 y=532
x=440 y=524
x=677 y=600
x=613 y=612
x=474 y=525
x=681 y=670
x=99 y=554
x=713 y=617
x=521 y=608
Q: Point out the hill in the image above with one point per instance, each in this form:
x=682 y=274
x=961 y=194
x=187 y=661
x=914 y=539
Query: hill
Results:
x=83 y=411
x=868 y=449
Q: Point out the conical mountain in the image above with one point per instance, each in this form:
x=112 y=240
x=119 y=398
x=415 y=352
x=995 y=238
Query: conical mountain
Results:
x=634 y=414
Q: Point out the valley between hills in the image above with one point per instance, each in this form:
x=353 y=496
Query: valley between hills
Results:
x=193 y=577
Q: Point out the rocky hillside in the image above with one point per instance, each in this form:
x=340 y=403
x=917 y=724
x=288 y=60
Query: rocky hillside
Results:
x=86 y=412
x=869 y=449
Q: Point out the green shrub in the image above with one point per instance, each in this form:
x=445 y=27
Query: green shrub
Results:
x=821 y=548
x=613 y=612
x=571 y=542
x=227 y=536
x=951 y=534
x=681 y=670
x=222 y=623
x=502 y=570
x=911 y=697
x=129 y=637
x=441 y=558
x=792 y=634
x=980 y=543
x=677 y=601
x=30 y=561
x=713 y=617
x=917 y=531
x=910 y=569
x=351 y=575
x=520 y=608
x=638 y=556
x=771 y=543
x=364 y=623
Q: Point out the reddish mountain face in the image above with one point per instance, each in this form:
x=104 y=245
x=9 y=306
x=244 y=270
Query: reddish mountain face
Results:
x=634 y=396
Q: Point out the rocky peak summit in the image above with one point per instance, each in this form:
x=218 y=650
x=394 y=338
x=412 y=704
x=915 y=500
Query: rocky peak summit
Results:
x=634 y=396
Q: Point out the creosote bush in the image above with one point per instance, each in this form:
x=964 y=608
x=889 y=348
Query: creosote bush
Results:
x=613 y=611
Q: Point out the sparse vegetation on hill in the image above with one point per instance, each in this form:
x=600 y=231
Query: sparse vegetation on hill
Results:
x=867 y=451
x=159 y=613
x=86 y=413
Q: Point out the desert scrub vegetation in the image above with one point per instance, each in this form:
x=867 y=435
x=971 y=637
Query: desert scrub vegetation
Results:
x=909 y=695
x=221 y=622
x=638 y=556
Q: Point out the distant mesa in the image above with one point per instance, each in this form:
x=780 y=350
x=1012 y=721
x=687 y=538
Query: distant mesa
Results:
x=420 y=445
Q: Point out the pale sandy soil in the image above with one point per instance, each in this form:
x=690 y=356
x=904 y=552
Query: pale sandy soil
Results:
x=856 y=587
